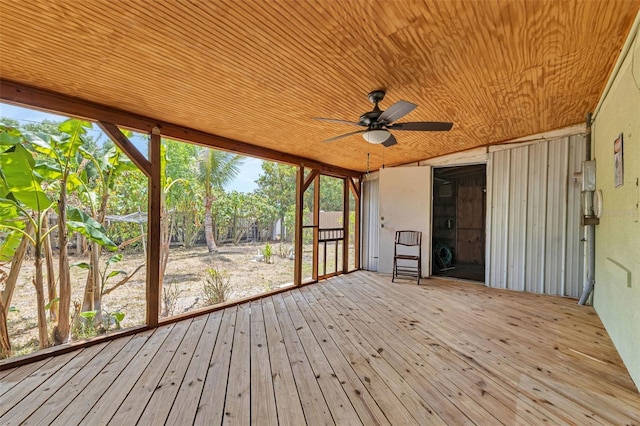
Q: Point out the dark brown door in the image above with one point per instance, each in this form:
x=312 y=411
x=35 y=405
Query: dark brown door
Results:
x=470 y=220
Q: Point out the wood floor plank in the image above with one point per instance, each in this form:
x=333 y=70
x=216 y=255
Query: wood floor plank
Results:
x=4 y=373
x=211 y=406
x=288 y=405
x=423 y=411
x=559 y=370
x=352 y=349
x=158 y=408
x=237 y=406
x=476 y=400
x=453 y=341
x=109 y=402
x=497 y=399
x=66 y=393
x=87 y=398
x=263 y=402
x=16 y=375
x=31 y=381
x=431 y=396
x=185 y=406
x=315 y=407
x=148 y=383
x=334 y=394
x=362 y=401
x=382 y=392
x=65 y=371
x=503 y=357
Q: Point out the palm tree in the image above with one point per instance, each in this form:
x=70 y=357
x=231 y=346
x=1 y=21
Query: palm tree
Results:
x=217 y=168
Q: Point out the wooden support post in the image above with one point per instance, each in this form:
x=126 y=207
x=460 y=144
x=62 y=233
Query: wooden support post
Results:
x=356 y=191
x=316 y=226
x=297 y=271
x=345 y=224
x=154 y=286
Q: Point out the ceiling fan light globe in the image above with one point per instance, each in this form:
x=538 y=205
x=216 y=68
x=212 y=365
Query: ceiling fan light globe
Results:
x=376 y=136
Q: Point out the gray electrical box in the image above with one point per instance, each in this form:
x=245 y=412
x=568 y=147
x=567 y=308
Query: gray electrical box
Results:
x=588 y=175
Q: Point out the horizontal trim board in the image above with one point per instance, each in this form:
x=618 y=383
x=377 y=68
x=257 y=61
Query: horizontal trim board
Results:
x=27 y=96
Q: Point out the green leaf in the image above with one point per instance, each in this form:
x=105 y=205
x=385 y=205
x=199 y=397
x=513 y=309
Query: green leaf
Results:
x=79 y=221
x=73 y=182
x=22 y=183
x=114 y=273
x=119 y=316
x=8 y=245
x=74 y=126
x=13 y=309
x=82 y=265
x=88 y=314
x=114 y=259
x=48 y=171
x=10 y=136
x=48 y=305
x=41 y=142
x=73 y=139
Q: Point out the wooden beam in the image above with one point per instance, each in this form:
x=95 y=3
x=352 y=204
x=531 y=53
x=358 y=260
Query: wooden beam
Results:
x=345 y=221
x=125 y=145
x=20 y=94
x=297 y=269
x=316 y=229
x=153 y=230
x=309 y=179
x=355 y=189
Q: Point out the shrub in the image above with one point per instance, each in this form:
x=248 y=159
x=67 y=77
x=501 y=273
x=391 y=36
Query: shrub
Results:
x=170 y=295
x=267 y=252
x=217 y=288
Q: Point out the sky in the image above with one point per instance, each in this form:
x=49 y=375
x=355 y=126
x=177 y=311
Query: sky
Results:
x=250 y=169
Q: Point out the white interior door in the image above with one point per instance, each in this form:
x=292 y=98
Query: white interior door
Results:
x=405 y=204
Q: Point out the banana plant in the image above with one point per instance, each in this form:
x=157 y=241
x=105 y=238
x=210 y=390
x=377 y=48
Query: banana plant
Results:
x=105 y=167
x=23 y=200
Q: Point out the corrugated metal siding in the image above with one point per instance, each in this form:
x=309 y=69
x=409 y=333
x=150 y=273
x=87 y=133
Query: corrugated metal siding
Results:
x=556 y=234
x=370 y=224
x=536 y=217
x=535 y=234
x=575 y=232
x=499 y=220
x=517 y=217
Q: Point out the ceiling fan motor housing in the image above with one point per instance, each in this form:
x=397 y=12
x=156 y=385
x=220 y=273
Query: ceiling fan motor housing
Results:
x=371 y=117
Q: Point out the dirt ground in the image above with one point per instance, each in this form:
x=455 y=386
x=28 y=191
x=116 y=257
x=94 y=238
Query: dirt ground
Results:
x=184 y=278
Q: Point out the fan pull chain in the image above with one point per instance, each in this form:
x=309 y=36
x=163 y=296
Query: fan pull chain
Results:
x=368 y=157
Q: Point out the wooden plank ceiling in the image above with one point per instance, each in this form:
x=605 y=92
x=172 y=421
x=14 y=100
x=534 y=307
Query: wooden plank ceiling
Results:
x=258 y=71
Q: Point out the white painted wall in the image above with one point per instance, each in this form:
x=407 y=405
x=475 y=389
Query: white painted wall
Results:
x=617 y=287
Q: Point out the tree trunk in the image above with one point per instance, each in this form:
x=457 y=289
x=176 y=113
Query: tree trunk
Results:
x=87 y=298
x=9 y=288
x=5 y=343
x=16 y=265
x=51 y=274
x=38 y=283
x=208 y=224
x=166 y=229
x=61 y=331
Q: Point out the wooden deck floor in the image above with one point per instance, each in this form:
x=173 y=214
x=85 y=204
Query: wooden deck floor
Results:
x=355 y=349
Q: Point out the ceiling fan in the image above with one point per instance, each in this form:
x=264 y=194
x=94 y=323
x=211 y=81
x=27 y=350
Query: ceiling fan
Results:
x=377 y=123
